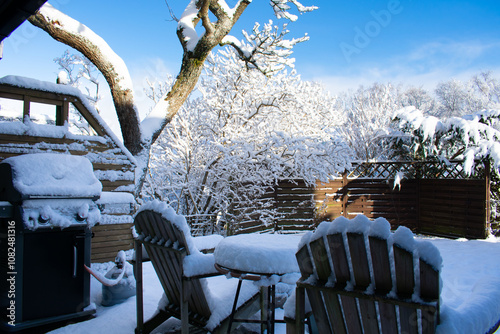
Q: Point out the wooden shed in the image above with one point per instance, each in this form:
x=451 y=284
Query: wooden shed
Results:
x=38 y=116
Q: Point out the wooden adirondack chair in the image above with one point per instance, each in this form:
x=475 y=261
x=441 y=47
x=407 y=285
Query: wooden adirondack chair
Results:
x=168 y=245
x=356 y=284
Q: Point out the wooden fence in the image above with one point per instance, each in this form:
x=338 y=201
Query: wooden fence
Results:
x=432 y=198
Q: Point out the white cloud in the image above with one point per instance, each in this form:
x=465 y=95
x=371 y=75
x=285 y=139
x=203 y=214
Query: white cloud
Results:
x=424 y=66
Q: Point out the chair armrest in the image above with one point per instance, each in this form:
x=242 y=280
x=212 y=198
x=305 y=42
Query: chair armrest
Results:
x=199 y=265
x=207 y=243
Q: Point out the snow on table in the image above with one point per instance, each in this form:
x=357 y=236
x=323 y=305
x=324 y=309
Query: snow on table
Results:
x=259 y=253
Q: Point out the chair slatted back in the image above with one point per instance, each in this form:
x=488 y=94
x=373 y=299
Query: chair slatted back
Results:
x=166 y=246
x=359 y=283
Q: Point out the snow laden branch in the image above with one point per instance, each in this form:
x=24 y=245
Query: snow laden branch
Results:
x=196 y=50
x=72 y=33
x=472 y=137
x=266 y=50
x=281 y=9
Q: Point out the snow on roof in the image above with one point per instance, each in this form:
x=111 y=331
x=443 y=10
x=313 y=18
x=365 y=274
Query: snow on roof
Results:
x=45 y=86
x=49 y=174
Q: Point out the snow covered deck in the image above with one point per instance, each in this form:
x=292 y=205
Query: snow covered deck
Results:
x=469 y=297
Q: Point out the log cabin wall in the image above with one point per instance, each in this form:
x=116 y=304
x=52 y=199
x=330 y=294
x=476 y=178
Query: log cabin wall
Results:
x=113 y=164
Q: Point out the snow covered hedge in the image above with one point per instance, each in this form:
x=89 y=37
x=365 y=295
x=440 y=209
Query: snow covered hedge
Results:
x=471 y=137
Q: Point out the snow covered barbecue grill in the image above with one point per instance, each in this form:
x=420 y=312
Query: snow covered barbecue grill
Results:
x=47 y=209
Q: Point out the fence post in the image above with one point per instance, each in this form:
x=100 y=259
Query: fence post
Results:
x=344 y=194
x=276 y=207
x=487 y=181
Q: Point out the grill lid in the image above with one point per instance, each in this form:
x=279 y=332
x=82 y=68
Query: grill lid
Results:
x=47 y=175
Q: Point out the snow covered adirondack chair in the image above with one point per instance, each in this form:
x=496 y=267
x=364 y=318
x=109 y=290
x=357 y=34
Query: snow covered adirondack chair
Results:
x=193 y=290
x=360 y=277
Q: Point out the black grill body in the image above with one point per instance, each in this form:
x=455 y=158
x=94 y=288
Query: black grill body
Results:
x=42 y=278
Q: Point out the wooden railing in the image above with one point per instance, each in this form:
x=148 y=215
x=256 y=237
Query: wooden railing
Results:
x=112 y=164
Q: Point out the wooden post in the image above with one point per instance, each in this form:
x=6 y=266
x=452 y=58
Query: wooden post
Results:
x=184 y=299
x=138 y=286
x=487 y=181
x=344 y=194
x=299 y=310
x=26 y=110
x=62 y=113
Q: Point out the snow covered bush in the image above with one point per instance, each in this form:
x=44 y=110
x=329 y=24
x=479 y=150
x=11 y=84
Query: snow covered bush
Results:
x=471 y=137
x=218 y=159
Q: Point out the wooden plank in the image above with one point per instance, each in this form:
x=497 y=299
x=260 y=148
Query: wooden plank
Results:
x=104 y=235
x=320 y=258
x=369 y=316
x=319 y=311
x=429 y=321
x=351 y=314
x=388 y=318
x=334 y=311
x=429 y=281
x=405 y=279
x=123 y=244
x=339 y=258
x=359 y=260
x=89 y=141
x=305 y=263
x=408 y=319
x=381 y=265
x=455 y=232
x=110 y=227
x=89 y=117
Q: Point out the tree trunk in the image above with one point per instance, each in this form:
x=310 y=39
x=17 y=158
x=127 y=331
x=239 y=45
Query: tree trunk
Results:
x=183 y=86
x=122 y=96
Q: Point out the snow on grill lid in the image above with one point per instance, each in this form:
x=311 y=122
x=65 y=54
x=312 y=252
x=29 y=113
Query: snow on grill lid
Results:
x=50 y=174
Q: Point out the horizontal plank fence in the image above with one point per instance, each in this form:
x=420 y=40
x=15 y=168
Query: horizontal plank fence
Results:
x=434 y=199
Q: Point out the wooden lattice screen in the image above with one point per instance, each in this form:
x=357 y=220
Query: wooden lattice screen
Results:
x=432 y=198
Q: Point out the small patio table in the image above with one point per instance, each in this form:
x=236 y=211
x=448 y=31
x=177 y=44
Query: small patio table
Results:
x=258 y=257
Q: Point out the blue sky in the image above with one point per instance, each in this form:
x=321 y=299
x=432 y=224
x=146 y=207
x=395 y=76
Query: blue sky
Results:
x=352 y=42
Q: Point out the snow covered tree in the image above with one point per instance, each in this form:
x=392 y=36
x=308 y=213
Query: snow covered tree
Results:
x=419 y=98
x=215 y=17
x=219 y=158
x=457 y=98
x=368 y=113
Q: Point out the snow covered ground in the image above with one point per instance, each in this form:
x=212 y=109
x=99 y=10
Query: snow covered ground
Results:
x=470 y=294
